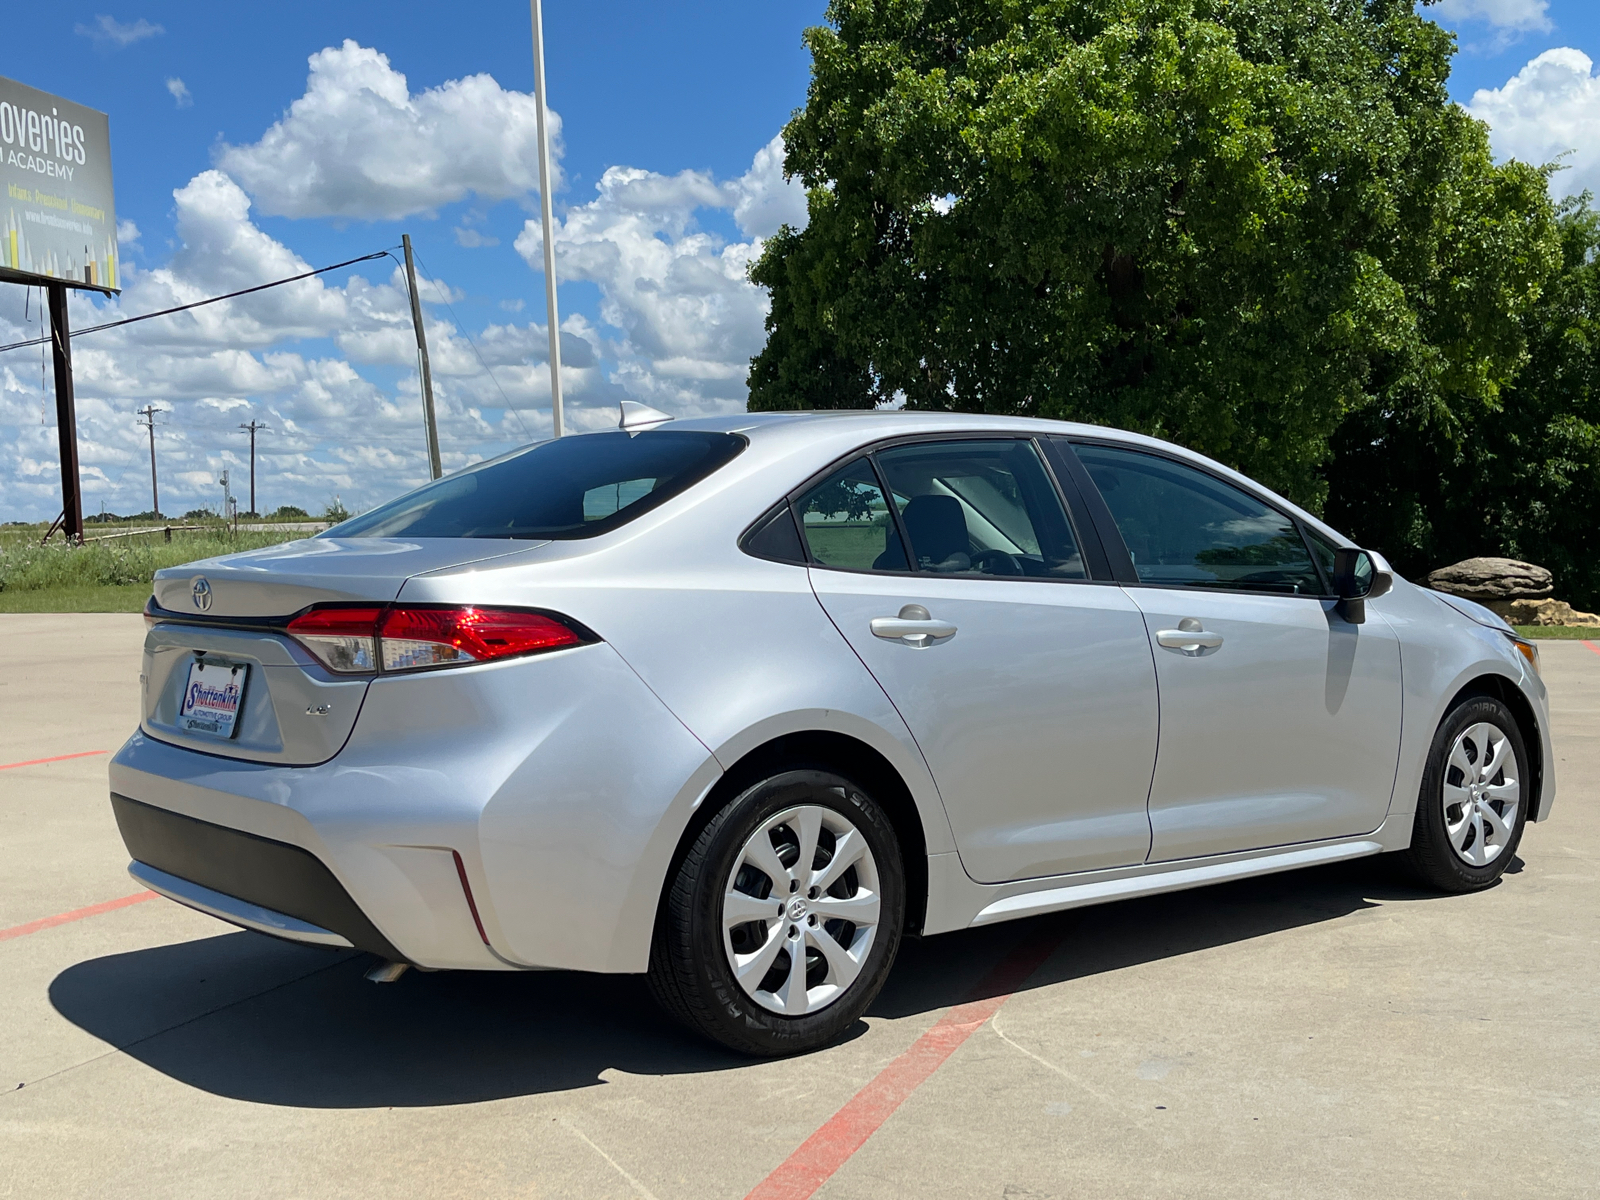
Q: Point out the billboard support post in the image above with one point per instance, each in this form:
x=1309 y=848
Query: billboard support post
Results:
x=66 y=415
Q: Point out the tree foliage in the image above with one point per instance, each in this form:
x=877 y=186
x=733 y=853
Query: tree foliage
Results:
x=1237 y=224
x=1520 y=478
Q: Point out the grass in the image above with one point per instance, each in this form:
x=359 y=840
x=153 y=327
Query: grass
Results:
x=104 y=576
x=1559 y=632
x=117 y=598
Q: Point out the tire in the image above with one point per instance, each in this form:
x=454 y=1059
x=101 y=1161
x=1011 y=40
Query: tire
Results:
x=773 y=1009
x=1466 y=833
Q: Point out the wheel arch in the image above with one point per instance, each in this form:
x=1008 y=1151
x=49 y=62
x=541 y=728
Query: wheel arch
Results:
x=1505 y=690
x=841 y=754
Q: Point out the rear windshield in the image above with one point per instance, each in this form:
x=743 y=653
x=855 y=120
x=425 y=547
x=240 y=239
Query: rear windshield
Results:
x=572 y=487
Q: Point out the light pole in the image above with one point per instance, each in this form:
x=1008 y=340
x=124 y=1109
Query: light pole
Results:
x=546 y=215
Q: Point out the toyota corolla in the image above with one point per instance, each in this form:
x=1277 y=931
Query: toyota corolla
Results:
x=739 y=703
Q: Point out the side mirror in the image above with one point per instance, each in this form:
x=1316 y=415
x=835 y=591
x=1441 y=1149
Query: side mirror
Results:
x=1359 y=576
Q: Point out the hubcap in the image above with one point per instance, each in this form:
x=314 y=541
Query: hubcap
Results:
x=1481 y=794
x=800 y=910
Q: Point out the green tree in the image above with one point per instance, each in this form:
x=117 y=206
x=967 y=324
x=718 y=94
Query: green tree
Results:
x=1231 y=223
x=1520 y=477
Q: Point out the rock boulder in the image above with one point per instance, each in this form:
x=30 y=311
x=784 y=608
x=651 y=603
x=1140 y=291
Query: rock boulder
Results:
x=1543 y=612
x=1485 y=579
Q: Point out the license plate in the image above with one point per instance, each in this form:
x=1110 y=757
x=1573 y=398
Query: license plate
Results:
x=212 y=696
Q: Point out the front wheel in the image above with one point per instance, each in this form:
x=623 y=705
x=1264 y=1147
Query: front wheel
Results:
x=784 y=917
x=1474 y=799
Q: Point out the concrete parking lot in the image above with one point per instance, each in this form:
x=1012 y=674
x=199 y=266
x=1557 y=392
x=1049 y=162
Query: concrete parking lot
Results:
x=1328 y=1033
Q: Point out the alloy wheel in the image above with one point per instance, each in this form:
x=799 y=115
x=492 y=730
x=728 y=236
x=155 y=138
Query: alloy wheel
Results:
x=800 y=910
x=1481 y=794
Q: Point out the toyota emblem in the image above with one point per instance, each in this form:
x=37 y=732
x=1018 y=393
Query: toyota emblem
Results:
x=202 y=594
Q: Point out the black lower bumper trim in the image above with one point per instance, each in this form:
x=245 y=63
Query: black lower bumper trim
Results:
x=275 y=875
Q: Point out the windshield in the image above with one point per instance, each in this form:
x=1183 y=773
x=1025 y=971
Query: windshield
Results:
x=572 y=487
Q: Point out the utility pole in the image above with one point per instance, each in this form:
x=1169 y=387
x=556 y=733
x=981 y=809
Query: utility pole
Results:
x=252 y=428
x=422 y=351
x=66 y=415
x=148 y=412
x=546 y=216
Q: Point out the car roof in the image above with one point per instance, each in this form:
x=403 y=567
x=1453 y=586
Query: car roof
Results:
x=867 y=425
x=882 y=422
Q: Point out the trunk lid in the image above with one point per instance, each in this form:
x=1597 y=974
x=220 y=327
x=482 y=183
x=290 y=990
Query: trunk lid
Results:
x=293 y=711
x=281 y=580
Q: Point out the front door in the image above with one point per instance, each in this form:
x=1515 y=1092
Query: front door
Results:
x=1029 y=688
x=1280 y=721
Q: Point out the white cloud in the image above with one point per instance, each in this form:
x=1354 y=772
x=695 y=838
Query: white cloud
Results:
x=330 y=362
x=690 y=319
x=180 y=92
x=127 y=233
x=472 y=239
x=360 y=144
x=1548 y=108
x=1516 y=15
x=110 y=34
x=763 y=199
x=295 y=356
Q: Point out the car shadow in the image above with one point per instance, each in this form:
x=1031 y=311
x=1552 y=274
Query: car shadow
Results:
x=251 y=1018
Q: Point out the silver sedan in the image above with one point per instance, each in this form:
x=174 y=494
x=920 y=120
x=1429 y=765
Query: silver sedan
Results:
x=741 y=702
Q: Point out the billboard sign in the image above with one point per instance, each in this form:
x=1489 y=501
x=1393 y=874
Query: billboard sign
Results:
x=57 y=219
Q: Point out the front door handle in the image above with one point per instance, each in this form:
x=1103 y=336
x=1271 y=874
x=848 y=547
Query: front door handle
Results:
x=913 y=626
x=1190 y=637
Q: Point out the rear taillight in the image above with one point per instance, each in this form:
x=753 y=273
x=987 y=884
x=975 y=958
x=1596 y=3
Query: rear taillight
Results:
x=361 y=640
x=343 y=639
x=437 y=637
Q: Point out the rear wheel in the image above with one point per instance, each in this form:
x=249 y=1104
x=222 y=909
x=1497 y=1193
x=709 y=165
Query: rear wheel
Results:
x=1474 y=799
x=784 y=917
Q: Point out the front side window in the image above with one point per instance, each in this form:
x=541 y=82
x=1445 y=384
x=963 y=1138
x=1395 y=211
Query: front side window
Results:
x=847 y=522
x=572 y=487
x=980 y=508
x=1185 y=528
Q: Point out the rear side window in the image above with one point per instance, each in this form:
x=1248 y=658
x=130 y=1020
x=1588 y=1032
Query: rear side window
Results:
x=981 y=508
x=572 y=487
x=1185 y=528
x=847 y=522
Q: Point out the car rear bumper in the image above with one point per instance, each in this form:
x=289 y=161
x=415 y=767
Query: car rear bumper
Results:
x=510 y=816
x=253 y=882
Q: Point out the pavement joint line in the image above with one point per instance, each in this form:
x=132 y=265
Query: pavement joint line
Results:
x=800 y=1175
x=638 y=1187
x=994 y=1028
x=34 y=762
x=126 y=1046
x=77 y=914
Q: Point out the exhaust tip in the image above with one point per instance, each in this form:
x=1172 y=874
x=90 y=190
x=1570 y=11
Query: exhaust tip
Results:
x=387 y=972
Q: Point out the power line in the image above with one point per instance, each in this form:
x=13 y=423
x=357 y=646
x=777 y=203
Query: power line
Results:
x=167 y=312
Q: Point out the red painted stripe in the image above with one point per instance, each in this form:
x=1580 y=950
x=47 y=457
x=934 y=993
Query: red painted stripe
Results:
x=34 y=762
x=77 y=914
x=829 y=1148
x=1593 y=647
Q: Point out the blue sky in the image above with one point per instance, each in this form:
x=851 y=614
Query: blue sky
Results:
x=237 y=160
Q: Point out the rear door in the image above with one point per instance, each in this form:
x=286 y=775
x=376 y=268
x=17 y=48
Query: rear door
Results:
x=1028 y=684
x=1280 y=721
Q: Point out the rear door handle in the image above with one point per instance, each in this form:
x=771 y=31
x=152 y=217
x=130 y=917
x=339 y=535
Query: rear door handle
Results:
x=1190 y=636
x=913 y=626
